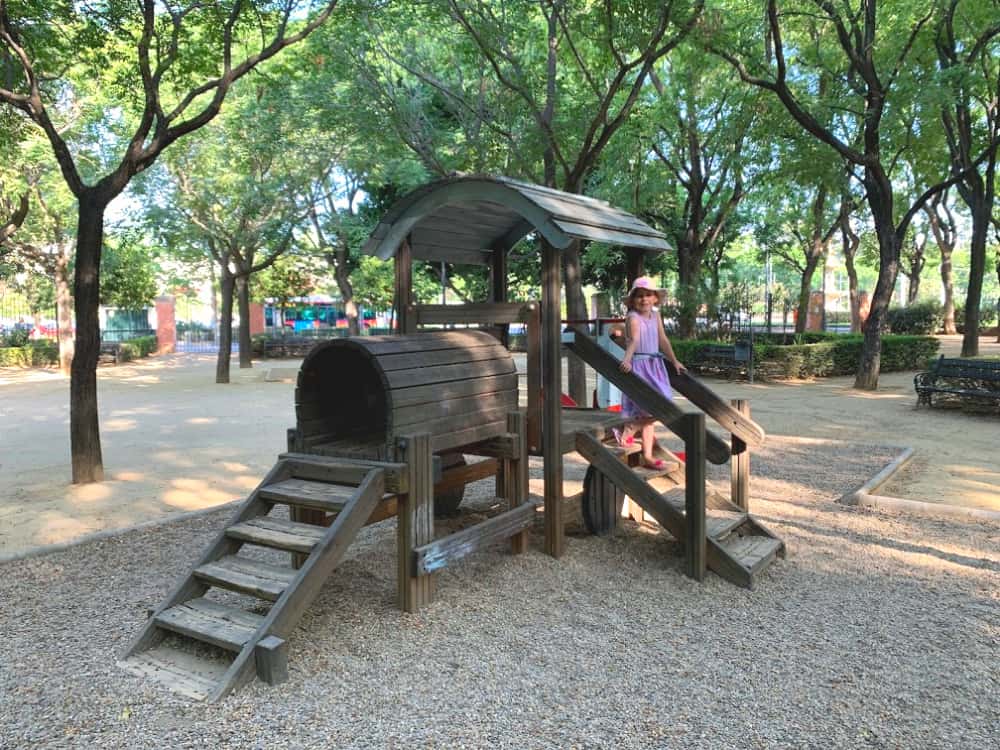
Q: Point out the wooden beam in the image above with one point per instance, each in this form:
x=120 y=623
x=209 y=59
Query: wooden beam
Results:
x=515 y=476
x=695 y=545
x=551 y=344
x=415 y=526
x=271 y=657
x=466 y=473
x=739 y=463
x=498 y=286
x=534 y=367
x=474 y=313
x=432 y=557
x=403 y=293
x=709 y=402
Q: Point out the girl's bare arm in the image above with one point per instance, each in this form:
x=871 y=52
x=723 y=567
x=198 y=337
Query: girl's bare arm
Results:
x=633 y=342
x=668 y=350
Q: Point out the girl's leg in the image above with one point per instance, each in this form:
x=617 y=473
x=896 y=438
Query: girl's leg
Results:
x=648 y=441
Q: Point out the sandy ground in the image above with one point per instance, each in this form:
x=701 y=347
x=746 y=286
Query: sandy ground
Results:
x=174 y=441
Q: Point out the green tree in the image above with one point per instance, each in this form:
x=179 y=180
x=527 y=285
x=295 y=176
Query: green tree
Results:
x=128 y=273
x=165 y=72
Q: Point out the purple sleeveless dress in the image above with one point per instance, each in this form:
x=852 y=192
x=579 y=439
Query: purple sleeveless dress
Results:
x=647 y=363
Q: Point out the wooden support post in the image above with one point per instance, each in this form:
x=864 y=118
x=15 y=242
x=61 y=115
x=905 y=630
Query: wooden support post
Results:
x=271 y=656
x=740 y=462
x=551 y=406
x=515 y=473
x=403 y=292
x=533 y=327
x=634 y=265
x=498 y=284
x=695 y=545
x=415 y=526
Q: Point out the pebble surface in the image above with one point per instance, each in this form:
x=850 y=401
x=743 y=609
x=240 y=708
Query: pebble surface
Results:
x=877 y=631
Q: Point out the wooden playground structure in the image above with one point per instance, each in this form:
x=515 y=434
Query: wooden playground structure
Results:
x=385 y=426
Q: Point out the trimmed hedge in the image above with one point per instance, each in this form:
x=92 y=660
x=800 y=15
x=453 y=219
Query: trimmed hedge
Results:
x=136 y=348
x=921 y=319
x=33 y=355
x=838 y=355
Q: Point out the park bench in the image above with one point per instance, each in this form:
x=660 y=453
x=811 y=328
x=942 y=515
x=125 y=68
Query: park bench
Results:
x=962 y=380
x=110 y=352
x=729 y=358
x=289 y=346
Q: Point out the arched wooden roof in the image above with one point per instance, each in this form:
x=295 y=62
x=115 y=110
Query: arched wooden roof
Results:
x=464 y=219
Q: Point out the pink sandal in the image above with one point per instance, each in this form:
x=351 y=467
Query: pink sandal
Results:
x=656 y=463
x=622 y=441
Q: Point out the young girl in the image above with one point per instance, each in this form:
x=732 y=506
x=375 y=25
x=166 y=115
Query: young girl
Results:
x=644 y=355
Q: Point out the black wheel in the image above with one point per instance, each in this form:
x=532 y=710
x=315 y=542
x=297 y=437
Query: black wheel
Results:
x=601 y=503
x=446 y=503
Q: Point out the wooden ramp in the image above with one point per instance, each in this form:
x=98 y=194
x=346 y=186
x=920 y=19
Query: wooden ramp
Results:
x=739 y=548
x=198 y=642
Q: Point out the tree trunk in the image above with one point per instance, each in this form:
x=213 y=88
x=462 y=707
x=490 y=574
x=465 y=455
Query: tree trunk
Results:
x=227 y=288
x=84 y=431
x=576 y=309
x=880 y=203
x=979 y=207
x=805 y=291
x=688 y=272
x=243 y=298
x=215 y=299
x=64 y=308
x=346 y=291
x=849 y=244
x=948 y=283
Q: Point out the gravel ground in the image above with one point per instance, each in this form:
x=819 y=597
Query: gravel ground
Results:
x=878 y=631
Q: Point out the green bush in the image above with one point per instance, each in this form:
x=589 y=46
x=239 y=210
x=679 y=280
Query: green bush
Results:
x=987 y=316
x=837 y=354
x=136 y=348
x=41 y=354
x=920 y=319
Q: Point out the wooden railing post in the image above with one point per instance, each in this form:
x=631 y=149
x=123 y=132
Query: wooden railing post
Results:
x=515 y=473
x=740 y=462
x=415 y=525
x=695 y=545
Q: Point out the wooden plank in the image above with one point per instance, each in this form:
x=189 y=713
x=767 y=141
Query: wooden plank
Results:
x=403 y=292
x=457 y=355
x=551 y=387
x=468 y=437
x=179 y=671
x=462 y=475
x=534 y=367
x=431 y=394
x=415 y=526
x=739 y=464
x=468 y=407
x=344 y=470
x=647 y=397
x=621 y=475
x=253 y=577
x=695 y=550
x=447 y=373
x=467 y=255
x=307 y=493
x=595 y=233
x=277 y=533
x=507 y=445
x=720 y=523
x=211 y=622
x=515 y=476
x=442 y=552
x=455 y=423
x=750 y=551
x=709 y=402
x=482 y=313
x=271 y=658
x=423 y=341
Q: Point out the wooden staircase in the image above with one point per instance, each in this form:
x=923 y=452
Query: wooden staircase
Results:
x=201 y=610
x=739 y=547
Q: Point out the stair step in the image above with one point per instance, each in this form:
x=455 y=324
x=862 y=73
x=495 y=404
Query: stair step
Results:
x=669 y=467
x=211 y=622
x=306 y=493
x=278 y=533
x=720 y=523
x=254 y=577
x=753 y=553
x=180 y=671
x=622 y=450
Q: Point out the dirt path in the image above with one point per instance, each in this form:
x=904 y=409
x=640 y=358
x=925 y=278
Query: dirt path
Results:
x=173 y=441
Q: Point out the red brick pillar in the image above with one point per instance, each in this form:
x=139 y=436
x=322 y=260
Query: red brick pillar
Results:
x=256 y=318
x=166 y=325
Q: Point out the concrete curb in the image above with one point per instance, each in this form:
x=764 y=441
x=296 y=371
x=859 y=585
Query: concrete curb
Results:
x=107 y=533
x=865 y=497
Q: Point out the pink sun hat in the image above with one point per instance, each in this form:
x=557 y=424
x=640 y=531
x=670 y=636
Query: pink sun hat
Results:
x=644 y=282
